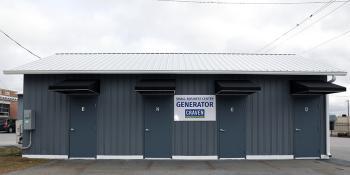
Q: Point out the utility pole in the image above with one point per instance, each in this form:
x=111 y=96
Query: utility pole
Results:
x=348 y=103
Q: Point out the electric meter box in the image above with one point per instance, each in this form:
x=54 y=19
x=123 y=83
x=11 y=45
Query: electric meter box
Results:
x=28 y=120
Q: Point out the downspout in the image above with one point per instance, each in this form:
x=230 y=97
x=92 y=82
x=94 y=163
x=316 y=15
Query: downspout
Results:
x=333 y=79
x=30 y=142
x=328 y=145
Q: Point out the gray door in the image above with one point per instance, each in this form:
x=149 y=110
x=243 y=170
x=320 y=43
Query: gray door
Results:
x=158 y=112
x=307 y=126
x=82 y=140
x=231 y=111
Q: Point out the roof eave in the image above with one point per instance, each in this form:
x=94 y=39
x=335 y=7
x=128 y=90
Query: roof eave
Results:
x=339 y=73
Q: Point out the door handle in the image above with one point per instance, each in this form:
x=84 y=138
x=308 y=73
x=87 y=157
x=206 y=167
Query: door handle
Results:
x=221 y=130
x=297 y=129
x=71 y=129
x=147 y=130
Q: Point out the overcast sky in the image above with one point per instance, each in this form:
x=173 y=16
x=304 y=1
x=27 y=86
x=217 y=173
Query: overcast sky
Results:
x=47 y=27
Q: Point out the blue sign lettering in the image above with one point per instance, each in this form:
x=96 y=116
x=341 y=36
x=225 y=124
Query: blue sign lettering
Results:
x=195 y=104
x=194 y=113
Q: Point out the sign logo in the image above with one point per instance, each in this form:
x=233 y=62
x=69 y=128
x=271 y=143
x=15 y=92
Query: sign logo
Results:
x=194 y=108
x=194 y=113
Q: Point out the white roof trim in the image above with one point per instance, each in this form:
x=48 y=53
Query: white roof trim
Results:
x=176 y=63
x=170 y=72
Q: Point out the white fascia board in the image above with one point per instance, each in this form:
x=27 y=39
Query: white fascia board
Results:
x=269 y=157
x=38 y=156
x=171 y=72
x=215 y=157
x=126 y=157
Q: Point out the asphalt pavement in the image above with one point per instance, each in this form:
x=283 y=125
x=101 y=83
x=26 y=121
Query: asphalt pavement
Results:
x=175 y=167
x=339 y=164
x=7 y=139
x=340 y=148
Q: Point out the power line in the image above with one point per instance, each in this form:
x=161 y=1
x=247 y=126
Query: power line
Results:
x=20 y=45
x=307 y=27
x=249 y=3
x=296 y=26
x=327 y=41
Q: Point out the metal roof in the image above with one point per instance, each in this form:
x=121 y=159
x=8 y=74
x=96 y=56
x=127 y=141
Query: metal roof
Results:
x=175 y=63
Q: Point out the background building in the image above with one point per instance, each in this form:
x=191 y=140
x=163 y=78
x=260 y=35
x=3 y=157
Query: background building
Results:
x=8 y=104
x=8 y=110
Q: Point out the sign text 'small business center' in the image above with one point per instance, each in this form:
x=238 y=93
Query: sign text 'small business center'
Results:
x=176 y=105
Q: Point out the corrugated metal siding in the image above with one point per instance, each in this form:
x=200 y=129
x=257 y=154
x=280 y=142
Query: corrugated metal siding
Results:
x=194 y=138
x=323 y=129
x=270 y=118
x=120 y=116
x=52 y=116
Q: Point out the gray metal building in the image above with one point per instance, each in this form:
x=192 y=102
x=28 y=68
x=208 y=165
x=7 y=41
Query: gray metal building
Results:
x=176 y=105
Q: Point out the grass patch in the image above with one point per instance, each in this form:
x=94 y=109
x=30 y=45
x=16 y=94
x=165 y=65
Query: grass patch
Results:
x=11 y=160
x=10 y=151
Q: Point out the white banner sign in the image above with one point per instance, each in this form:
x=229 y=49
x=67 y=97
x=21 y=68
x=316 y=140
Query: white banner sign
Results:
x=194 y=108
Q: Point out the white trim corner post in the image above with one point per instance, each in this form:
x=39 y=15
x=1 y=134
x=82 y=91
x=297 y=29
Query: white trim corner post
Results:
x=328 y=139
